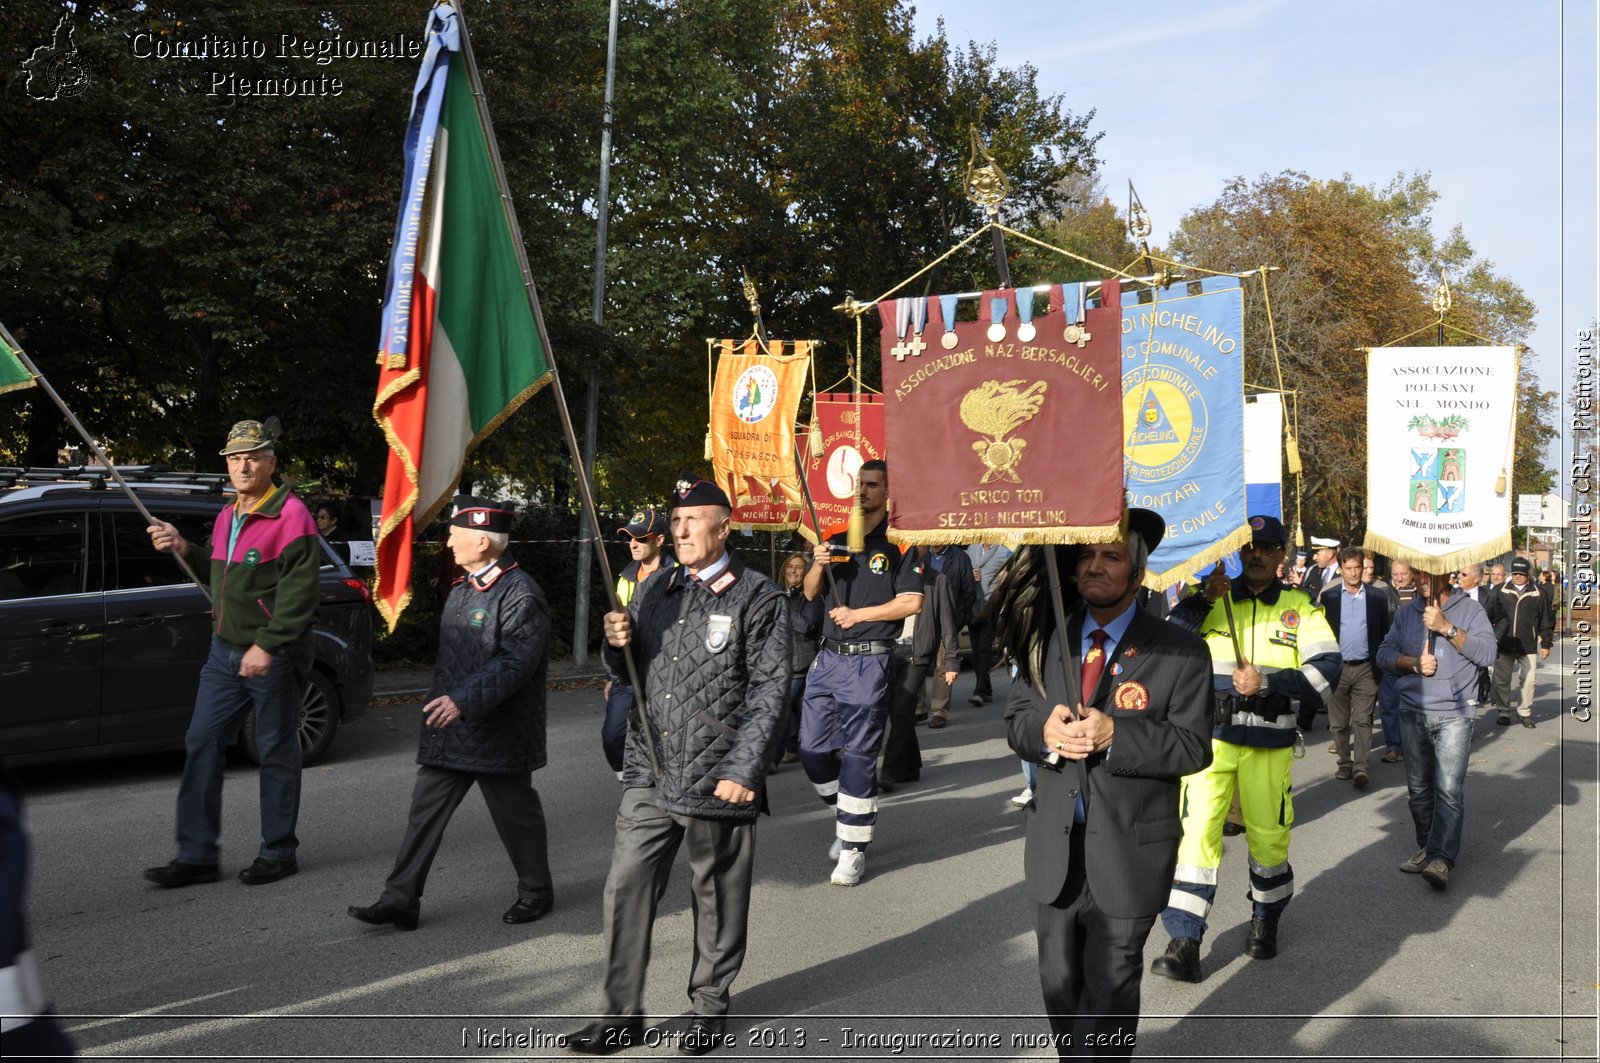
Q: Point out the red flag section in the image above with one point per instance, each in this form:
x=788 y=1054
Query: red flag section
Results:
x=1008 y=432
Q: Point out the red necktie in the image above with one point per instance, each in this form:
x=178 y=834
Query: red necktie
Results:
x=1094 y=662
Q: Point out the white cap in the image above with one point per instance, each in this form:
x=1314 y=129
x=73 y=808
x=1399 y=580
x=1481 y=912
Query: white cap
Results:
x=1318 y=541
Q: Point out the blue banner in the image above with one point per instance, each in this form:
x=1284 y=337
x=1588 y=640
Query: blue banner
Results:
x=1183 y=421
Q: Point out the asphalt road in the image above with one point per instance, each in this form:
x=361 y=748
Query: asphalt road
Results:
x=932 y=955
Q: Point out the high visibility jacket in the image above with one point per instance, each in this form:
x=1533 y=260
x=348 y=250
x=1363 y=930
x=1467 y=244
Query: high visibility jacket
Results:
x=1287 y=637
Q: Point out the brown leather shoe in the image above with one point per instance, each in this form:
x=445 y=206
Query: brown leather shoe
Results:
x=1343 y=774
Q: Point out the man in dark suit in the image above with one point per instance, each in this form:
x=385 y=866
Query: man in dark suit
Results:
x=1324 y=569
x=1359 y=617
x=1102 y=841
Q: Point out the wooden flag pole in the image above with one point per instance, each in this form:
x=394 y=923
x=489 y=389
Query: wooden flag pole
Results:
x=585 y=488
x=100 y=455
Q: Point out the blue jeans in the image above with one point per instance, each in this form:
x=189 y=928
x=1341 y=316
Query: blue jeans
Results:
x=614 y=729
x=219 y=710
x=1437 y=748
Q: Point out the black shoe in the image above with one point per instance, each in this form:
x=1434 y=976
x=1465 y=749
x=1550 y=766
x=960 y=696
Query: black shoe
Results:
x=179 y=873
x=885 y=786
x=381 y=914
x=1527 y=721
x=1263 y=941
x=704 y=1034
x=1505 y=719
x=1231 y=829
x=601 y=1038
x=526 y=911
x=264 y=871
x=1181 y=961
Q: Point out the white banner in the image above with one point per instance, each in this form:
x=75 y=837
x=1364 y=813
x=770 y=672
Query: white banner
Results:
x=1440 y=429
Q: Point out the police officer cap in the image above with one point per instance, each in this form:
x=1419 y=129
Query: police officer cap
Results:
x=1323 y=543
x=1522 y=565
x=645 y=523
x=1264 y=529
x=691 y=490
x=481 y=515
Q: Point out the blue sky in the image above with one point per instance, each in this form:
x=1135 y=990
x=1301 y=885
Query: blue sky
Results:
x=1191 y=94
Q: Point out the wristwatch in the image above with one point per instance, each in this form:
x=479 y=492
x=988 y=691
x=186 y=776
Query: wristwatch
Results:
x=1449 y=636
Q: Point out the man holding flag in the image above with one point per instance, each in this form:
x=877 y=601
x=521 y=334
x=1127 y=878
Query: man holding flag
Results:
x=265 y=556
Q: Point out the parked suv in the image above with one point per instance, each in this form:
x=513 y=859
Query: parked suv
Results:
x=102 y=636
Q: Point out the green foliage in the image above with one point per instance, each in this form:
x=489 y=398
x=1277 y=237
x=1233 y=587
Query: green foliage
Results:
x=176 y=261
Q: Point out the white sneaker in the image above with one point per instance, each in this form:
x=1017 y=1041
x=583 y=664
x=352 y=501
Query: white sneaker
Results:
x=619 y=776
x=852 y=865
x=834 y=850
x=1025 y=798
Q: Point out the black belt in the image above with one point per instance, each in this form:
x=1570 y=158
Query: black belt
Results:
x=1363 y=660
x=1267 y=706
x=872 y=647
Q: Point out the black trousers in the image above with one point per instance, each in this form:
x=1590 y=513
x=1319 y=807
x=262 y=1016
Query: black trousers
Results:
x=518 y=818
x=982 y=633
x=1090 y=968
x=902 y=755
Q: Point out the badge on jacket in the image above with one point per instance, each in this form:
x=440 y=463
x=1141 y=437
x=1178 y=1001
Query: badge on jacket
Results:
x=718 y=628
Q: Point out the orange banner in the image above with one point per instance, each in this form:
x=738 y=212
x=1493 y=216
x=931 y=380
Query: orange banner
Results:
x=753 y=409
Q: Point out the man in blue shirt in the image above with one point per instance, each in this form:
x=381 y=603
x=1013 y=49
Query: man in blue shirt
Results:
x=1436 y=649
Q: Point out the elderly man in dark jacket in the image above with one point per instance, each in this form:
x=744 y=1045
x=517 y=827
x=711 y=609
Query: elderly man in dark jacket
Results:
x=712 y=646
x=483 y=722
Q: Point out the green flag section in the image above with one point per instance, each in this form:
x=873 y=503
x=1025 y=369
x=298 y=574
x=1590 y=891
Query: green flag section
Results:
x=460 y=349
x=13 y=374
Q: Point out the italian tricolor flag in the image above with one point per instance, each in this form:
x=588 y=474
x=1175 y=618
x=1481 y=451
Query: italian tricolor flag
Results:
x=460 y=350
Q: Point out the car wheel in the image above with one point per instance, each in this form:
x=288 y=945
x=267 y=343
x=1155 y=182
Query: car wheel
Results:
x=319 y=722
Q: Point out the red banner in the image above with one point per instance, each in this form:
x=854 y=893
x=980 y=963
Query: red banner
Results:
x=848 y=441
x=1006 y=429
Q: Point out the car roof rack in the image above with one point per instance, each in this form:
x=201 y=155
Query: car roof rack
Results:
x=97 y=476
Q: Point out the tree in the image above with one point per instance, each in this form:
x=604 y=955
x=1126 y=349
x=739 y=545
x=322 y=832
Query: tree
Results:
x=177 y=260
x=1355 y=268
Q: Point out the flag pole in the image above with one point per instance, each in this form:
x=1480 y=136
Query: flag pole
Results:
x=585 y=488
x=100 y=455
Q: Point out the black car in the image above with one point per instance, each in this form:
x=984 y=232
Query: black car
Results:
x=102 y=636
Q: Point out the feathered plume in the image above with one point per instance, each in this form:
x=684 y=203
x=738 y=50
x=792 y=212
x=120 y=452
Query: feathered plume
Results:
x=1020 y=607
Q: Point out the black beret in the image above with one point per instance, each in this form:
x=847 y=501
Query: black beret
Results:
x=691 y=490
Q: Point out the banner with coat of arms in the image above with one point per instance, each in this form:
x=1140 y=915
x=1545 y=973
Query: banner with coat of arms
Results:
x=1183 y=407
x=1005 y=429
x=753 y=406
x=851 y=429
x=1440 y=433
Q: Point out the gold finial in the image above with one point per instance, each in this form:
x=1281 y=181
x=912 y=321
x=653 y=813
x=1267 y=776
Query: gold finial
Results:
x=1138 y=217
x=750 y=293
x=1441 y=295
x=987 y=184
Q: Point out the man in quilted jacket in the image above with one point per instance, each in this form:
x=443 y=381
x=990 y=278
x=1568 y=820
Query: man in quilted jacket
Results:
x=483 y=722
x=711 y=644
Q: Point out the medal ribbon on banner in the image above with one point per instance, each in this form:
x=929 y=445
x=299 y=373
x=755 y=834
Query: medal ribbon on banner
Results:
x=1025 y=330
x=947 y=308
